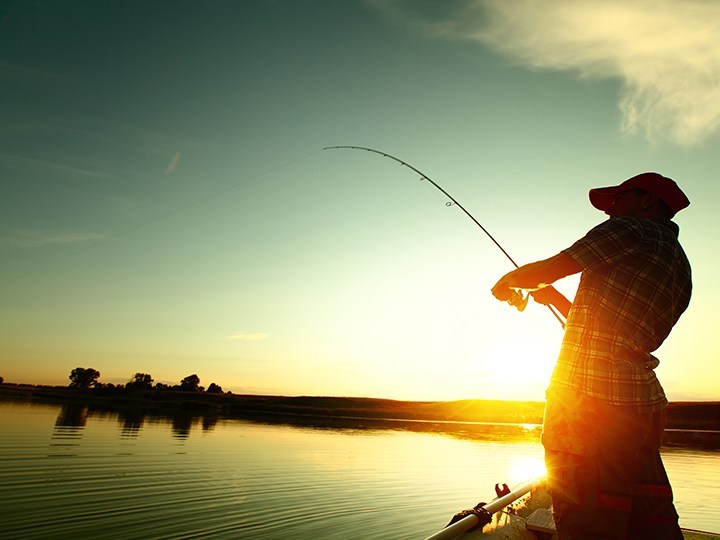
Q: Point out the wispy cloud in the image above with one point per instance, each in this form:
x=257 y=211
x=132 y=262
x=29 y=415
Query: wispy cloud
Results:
x=28 y=238
x=173 y=164
x=665 y=53
x=24 y=163
x=245 y=336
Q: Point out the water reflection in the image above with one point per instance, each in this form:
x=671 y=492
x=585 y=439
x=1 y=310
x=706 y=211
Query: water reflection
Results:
x=69 y=427
x=473 y=431
x=209 y=423
x=131 y=423
x=72 y=416
x=182 y=425
x=696 y=439
x=478 y=431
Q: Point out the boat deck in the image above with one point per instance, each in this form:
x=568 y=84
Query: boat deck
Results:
x=509 y=529
x=531 y=519
x=523 y=513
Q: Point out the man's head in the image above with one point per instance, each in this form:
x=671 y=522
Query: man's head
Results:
x=646 y=195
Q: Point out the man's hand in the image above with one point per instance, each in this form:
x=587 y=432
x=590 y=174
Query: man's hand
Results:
x=550 y=296
x=547 y=295
x=503 y=290
x=536 y=276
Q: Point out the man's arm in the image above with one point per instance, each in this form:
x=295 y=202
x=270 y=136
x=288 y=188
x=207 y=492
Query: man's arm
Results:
x=538 y=275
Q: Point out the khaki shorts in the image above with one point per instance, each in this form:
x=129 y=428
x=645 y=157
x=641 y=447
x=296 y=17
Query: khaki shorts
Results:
x=605 y=474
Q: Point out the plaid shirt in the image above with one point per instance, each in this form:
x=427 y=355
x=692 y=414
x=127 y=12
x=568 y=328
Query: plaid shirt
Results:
x=635 y=284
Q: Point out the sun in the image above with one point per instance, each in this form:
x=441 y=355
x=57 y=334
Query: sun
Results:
x=525 y=362
x=527 y=468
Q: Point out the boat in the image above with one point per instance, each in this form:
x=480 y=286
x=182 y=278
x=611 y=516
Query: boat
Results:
x=521 y=513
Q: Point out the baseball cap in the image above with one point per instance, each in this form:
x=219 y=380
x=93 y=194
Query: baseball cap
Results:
x=662 y=187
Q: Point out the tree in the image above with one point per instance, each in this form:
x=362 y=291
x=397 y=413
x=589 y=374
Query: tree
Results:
x=191 y=383
x=140 y=381
x=83 y=377
x=214 y=389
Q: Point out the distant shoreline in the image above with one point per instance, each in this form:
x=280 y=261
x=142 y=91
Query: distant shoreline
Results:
x=704 y=416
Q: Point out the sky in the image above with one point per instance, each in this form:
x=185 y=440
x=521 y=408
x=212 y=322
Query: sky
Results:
x=167 y=206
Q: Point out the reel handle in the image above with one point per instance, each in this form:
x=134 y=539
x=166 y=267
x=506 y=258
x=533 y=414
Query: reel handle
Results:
x=518 y=300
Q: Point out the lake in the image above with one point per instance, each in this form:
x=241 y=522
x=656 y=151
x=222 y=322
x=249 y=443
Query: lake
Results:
x=67 y=472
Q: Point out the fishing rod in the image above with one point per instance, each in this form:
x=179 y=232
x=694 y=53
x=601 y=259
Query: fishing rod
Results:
x=517 y=300
x=482 y=514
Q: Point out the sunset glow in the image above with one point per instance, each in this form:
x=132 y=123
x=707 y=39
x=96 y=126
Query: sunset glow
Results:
x=524 y=468
x=168 y=209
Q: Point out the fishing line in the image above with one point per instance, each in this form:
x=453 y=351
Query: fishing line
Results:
x=155 y=219
x=453 y=202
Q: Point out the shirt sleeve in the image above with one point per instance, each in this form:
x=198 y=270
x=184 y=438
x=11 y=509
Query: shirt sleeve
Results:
x=608 y=243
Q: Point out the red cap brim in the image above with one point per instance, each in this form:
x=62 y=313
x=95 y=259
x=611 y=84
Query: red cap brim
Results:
x=602 y=198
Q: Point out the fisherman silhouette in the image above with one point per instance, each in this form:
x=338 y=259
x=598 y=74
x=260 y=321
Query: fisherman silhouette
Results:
x=605 y=407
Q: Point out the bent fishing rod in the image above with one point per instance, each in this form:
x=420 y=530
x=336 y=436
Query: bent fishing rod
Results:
x=519 y=302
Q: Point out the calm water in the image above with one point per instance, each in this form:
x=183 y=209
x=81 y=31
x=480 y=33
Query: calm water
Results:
x=67 y=473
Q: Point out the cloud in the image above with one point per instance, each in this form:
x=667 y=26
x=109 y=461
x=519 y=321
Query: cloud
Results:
x=23 y=163
x=172 y=165
x=665 y=53
x=255 y=336
x=26 y=238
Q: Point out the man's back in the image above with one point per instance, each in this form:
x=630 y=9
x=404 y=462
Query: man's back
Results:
x=636 y=282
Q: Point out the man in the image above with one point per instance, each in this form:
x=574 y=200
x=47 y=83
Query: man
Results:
x=604 y=413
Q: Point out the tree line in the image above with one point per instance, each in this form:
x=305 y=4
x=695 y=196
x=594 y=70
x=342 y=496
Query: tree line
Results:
x=87 y=378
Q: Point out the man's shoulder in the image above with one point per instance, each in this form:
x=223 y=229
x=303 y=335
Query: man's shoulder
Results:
x=616 y=227
x=638 y=226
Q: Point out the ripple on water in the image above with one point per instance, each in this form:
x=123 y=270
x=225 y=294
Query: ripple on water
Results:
x=253 y=481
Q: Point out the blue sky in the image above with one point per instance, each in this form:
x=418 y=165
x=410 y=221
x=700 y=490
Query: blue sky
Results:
x=167 y=206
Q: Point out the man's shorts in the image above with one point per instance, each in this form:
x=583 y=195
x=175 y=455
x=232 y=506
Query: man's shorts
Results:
x=605 y=474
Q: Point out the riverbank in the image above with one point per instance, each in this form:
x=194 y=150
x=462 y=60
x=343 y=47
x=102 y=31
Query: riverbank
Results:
x=681 y=415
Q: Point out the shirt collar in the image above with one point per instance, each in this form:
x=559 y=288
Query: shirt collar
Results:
x=669 y=224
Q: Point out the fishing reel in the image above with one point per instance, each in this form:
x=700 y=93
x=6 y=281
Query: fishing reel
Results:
x=518 y=300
